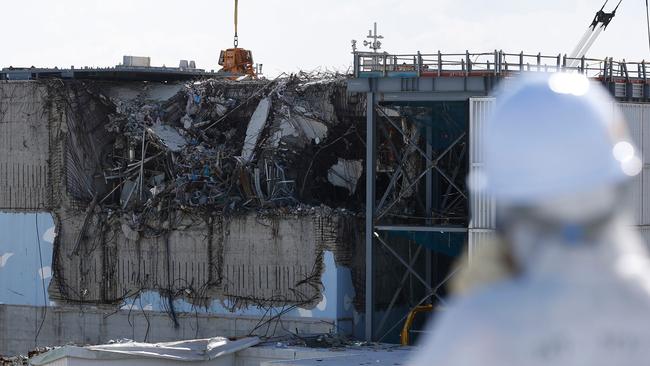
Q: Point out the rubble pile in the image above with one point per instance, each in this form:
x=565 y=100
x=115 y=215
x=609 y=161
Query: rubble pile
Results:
x=219 y=146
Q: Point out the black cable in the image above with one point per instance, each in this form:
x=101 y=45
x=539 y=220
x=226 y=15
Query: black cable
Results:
x=647 y=16
x=40 y=257
x=617 y=5
x=146 y=317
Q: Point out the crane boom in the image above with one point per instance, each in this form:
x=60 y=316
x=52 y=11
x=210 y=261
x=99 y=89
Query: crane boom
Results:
x=581 y=44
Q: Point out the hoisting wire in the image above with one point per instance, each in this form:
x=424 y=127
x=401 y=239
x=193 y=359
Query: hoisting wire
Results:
x=603 y=8
x=236 y=42
x=647 y=17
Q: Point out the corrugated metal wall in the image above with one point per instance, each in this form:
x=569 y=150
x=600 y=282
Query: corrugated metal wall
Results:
x=634 y=113
x=482 y=206
x=645 y=193
x=477 y=239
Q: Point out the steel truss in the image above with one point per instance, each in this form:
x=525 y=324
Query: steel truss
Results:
x=408 y=203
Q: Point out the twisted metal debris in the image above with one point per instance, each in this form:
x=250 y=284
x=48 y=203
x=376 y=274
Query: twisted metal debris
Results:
x=203 y=150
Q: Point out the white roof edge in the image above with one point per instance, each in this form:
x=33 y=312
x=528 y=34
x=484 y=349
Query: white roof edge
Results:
x=189 y=350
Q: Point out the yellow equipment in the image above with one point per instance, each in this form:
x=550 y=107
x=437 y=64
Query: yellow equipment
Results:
x=237 y=60
x=404 y=336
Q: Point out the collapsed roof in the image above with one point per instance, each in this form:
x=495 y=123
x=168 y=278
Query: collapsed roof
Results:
x=226 y=146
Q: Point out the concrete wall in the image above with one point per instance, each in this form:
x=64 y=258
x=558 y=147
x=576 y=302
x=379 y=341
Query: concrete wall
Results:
x=24 y=146
x=247 y=259
x=85 y=325
x=21 y=289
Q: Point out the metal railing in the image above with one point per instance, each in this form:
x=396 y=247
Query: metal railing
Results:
x=497 y=63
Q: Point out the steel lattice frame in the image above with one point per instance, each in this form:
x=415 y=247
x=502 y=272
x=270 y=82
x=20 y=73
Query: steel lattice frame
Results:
x=381 y=130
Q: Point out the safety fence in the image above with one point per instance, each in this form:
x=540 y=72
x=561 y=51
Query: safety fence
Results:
x=497 y=63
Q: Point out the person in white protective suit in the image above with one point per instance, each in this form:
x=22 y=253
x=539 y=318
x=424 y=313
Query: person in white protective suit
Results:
x=559 y=162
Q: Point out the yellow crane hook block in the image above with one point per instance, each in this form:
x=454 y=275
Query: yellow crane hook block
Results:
x=237 y=60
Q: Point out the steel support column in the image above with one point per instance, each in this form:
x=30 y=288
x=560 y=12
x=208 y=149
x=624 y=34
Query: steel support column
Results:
x=429 y=200
x=371 y=170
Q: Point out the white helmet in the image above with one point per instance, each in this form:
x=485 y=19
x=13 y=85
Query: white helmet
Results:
x=555 y=135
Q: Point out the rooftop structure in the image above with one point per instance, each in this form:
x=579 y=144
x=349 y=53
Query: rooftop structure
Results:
x=472 y=74
x=132 y=68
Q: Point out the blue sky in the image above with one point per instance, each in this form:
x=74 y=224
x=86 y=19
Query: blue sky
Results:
x=286 y=35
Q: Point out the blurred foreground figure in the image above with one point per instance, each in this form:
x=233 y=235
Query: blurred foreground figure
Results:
x=558 y=160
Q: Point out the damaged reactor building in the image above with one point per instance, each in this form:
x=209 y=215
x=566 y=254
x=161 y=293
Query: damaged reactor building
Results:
x=233 y=202
x=168 y=205
x=160 y=204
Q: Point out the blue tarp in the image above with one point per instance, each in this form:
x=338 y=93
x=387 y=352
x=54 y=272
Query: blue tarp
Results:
x=22 y=275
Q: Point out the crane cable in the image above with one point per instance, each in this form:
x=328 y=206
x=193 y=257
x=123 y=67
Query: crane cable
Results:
x=647 y=16
x=236 y=42
x=603 y=8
